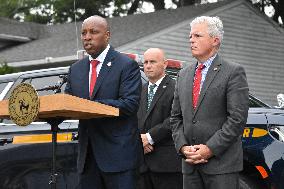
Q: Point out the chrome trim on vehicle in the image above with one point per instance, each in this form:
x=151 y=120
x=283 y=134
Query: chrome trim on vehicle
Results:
x=6 y=89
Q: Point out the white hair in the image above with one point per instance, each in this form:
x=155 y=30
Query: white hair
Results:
x=215 y=25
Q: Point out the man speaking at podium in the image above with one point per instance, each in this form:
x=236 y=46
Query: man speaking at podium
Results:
x=109 y=148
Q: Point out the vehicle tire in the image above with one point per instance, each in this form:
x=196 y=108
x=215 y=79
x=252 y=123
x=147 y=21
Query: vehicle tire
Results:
x=247 y=183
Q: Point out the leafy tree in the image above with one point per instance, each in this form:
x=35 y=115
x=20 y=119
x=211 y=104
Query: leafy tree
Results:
x=8 y=8
x=26 y=10
x=181 y=3
x=62 y=11
x=277 y=11
x=52 y=11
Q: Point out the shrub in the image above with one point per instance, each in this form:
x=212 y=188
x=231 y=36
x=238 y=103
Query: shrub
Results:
x=5 y=69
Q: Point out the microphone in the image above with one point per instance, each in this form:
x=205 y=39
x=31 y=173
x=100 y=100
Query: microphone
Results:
x=61 y=83
x=56 y=88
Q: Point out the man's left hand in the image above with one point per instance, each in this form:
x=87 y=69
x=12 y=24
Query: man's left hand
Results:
x=204 y=151
x=144 y=140
x=201 y=154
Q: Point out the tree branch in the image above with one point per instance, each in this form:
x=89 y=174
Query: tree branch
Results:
x=134 y=7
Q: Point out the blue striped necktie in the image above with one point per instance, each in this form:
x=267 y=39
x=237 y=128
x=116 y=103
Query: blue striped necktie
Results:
x=150 y=95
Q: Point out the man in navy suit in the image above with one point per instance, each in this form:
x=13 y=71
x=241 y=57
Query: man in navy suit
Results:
x=109 y=148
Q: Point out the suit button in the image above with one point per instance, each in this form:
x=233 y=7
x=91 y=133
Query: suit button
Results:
x=194 y=121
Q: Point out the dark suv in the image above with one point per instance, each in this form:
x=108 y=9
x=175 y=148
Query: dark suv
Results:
x=26 y=152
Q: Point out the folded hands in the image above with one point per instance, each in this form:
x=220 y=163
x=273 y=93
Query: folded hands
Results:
x=196 y=154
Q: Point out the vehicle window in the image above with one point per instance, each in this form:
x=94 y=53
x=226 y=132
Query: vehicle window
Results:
x=172 y=73
x=277 y=132
x=45 y=85
x=255 y=103
x=4 y=88
x=6 y=122
x=144 y=79
x=3 y=91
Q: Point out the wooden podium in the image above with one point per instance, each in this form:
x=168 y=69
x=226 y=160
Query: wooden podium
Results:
x=66 y=106
x=58 y=107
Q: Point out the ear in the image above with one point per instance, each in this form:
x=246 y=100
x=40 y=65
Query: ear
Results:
x=216 y=41
x=165 y=64
x=107 y=35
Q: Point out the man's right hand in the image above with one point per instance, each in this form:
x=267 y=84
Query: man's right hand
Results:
x=191 y=155
x=146 y=145
x=185 y=149
x=144 y=140
x=148 y=148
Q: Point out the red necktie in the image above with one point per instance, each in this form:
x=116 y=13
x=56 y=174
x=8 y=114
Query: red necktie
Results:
x=196 y=85
x=93 y=75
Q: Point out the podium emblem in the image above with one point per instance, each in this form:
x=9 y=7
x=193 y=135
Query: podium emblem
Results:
x=23 y=104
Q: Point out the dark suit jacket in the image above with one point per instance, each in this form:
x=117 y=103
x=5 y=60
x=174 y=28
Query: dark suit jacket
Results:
x=219 y=118
x=115 y=141
x=156 y=121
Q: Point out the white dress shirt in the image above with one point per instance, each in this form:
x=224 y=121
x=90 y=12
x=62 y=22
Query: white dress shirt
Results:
x=151 y=141
x=101 y=59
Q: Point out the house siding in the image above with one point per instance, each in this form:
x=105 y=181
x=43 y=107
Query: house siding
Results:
x=250 y=39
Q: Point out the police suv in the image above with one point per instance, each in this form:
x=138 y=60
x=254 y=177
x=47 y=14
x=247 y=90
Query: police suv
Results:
x=26 y=152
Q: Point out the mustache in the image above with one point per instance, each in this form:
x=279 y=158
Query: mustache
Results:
x=87 y=43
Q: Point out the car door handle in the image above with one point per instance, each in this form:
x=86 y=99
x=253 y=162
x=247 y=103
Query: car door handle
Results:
x=4 y=141
x=75 y=136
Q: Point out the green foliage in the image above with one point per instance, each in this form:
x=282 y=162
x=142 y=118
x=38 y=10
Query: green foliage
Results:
x=8 y=8
x=276 y=6
x=26 y=10
x=5 y=69
x=58 y=11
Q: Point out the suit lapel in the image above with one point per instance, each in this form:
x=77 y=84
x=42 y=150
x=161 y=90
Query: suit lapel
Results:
x=106 y=67
x=189 y=84
x=84 y=77
x=161 y=89
x=211 y=74
x=143 y=103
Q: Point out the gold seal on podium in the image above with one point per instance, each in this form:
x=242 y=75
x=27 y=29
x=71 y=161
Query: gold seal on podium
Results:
x=23 y=104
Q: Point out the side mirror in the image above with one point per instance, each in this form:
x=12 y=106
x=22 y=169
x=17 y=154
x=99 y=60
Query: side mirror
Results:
x=280 y=99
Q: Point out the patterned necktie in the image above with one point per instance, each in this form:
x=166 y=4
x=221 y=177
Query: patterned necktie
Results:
x=93 y=75
x=150 y=95
x=196 y=85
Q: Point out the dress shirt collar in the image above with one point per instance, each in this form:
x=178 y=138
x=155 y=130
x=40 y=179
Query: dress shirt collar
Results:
x=157 y=82
x=208 y=62
x=102 y=56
